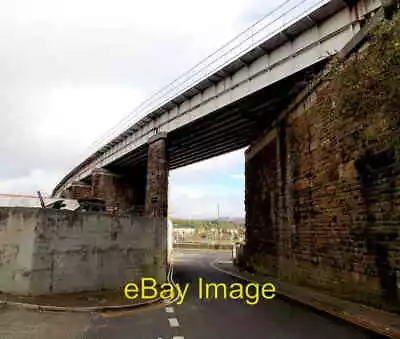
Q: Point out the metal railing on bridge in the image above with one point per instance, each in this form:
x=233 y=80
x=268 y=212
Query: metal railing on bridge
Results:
x=271 y=24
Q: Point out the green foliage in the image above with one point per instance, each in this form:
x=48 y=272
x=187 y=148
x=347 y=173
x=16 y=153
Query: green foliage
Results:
x=365 y=89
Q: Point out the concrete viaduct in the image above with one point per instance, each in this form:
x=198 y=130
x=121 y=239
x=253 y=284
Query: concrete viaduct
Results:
x=220 y=106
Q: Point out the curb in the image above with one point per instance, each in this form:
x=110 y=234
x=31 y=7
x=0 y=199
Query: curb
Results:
x=40 y=308
x=388 y=332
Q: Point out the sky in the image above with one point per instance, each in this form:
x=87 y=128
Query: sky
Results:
x=70 y=70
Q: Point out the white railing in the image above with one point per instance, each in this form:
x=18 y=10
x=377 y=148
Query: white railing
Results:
x=271 y=24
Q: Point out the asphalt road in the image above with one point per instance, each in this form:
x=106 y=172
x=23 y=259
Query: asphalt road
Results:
x=218 y=318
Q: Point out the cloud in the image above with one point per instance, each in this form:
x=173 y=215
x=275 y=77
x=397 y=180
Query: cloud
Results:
x=213 y=169
x=44 y=131
x=203 y=201
x=144 y=44
x=71 y=70
x=34 y=180
x=238 y=176
x=197 y=190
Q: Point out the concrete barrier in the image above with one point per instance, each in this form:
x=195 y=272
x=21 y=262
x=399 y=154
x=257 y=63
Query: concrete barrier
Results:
x=46 y=251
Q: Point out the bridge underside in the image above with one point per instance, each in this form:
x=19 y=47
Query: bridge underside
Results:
x=226 y=130
x=138 y=182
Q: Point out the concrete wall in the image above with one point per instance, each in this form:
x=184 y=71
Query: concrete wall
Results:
x=16 y=247
x=52 y=251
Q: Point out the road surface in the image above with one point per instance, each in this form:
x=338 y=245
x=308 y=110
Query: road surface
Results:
x=219 y=318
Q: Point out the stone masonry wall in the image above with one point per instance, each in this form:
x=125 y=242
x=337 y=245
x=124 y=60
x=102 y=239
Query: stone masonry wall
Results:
x=16 y=248
x=260 y=176
x=156 y=205
x=46 y=251
x=157 y=177
x=338 y=178
x=121 y=193
x=78 y=190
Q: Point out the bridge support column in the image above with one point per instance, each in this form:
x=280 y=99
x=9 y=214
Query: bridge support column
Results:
x=157 y=177
x=104 y=187
x=156 y=205
x=122 y=193
x=77 y=190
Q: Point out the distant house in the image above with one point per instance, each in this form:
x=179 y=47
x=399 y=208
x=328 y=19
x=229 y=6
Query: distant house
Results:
x=183 y=231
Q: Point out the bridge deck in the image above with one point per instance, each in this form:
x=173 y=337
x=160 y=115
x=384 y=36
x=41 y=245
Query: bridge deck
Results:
x=222 y=111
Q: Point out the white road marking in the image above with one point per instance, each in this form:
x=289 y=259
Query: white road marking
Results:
x=170 y=278
x=178 y=337
x=173 y=322
x=169 y=309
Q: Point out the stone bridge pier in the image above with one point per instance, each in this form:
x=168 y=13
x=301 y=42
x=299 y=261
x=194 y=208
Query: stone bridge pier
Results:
x=142 y=190
x=156 y=203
